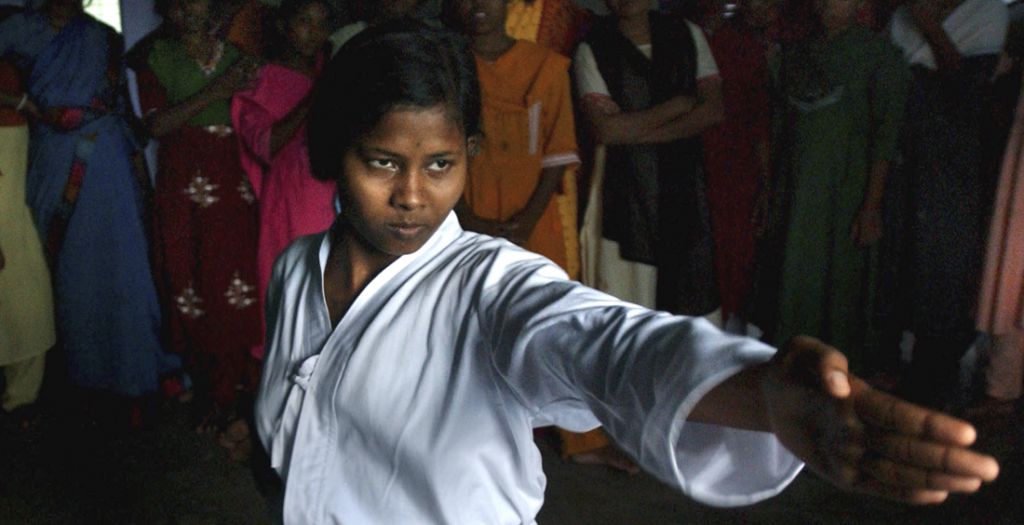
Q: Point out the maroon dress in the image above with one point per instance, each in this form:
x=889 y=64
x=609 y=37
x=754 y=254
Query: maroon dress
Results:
x=733 y=168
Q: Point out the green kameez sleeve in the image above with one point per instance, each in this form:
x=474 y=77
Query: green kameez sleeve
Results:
x=887 y=96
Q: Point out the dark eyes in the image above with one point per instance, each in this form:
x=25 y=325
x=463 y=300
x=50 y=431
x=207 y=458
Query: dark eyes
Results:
x=383 y=164
x=437 y=166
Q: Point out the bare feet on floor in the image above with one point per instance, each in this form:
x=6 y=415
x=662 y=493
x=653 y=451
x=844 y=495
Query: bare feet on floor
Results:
x=210 y=422
x=236 y=439
x=607 y=456
x=27 y=416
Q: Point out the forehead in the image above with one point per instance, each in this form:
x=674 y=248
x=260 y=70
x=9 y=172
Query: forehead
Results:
x=416 y=130
x=315 y=8
x=395 y=7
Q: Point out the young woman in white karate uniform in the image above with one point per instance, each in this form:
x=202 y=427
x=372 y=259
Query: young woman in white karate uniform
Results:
x=408 y=361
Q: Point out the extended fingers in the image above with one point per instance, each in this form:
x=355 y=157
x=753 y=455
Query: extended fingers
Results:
x=886 y=412
x=941 y=460
x=902 y=494
x=900 y=475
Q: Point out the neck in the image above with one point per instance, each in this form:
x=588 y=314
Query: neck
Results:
x=492 y=45
x=636 y=28
x=711 y=22
x=298 y=62
x=199 y=45
x=197 y=39
x=834 y=32
x=59 y=15
x=357 y=262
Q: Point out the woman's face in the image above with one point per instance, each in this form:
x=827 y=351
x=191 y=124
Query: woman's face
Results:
x=399 y=183
x=189 y=16
x=65 y=5
x=480 y=17
x=308 y=29
x=837 y=14
x=762 y=13
x=628 y=8
x=387 y=9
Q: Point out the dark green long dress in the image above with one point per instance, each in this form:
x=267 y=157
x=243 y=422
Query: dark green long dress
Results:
x=841 y=105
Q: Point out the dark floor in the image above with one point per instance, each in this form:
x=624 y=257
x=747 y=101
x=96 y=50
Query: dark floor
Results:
x=76 y=470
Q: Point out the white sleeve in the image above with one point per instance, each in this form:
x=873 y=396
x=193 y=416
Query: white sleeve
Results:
x=976 y=28
x=579 y=358
x=706 y=65
x=286 y=371
x=274 y=381
x=588 y=77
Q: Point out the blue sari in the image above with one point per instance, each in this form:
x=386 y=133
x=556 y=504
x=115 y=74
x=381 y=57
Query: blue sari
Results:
x=87 y=199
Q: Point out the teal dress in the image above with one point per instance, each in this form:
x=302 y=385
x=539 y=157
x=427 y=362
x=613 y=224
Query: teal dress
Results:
x=841 y=111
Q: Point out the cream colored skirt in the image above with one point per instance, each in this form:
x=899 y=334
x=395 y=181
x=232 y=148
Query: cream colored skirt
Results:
x=26 y=298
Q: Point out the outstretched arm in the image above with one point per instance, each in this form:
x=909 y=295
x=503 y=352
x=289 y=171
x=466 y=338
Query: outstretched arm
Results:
x=859 y=438
x=578 y=358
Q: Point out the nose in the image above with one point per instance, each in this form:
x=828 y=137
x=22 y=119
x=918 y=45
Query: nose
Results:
x=407 y=192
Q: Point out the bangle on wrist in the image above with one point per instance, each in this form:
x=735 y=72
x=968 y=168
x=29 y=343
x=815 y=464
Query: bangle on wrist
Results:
x=22 y=102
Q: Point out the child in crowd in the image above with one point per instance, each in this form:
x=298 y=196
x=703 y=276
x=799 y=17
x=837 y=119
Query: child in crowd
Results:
x=205 y=215
x=270 y=120
x=841 y=94
x=407 y=360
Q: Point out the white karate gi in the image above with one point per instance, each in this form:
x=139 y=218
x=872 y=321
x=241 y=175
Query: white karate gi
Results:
x=419 y=407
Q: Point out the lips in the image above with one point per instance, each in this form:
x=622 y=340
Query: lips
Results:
x=406 y=231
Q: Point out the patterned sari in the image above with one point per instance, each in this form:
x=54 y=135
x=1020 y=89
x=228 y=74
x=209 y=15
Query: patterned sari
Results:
x=87 y=198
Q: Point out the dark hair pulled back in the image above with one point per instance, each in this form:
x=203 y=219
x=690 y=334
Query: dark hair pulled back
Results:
x=398 y=64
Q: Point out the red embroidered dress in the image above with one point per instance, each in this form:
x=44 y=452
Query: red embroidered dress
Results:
x=205 y=225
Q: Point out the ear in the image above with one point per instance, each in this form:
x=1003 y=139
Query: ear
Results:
x=473 y=145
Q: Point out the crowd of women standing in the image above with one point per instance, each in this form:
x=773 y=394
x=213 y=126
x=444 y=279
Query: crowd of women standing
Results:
x=156 y=287
x=813 y=167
